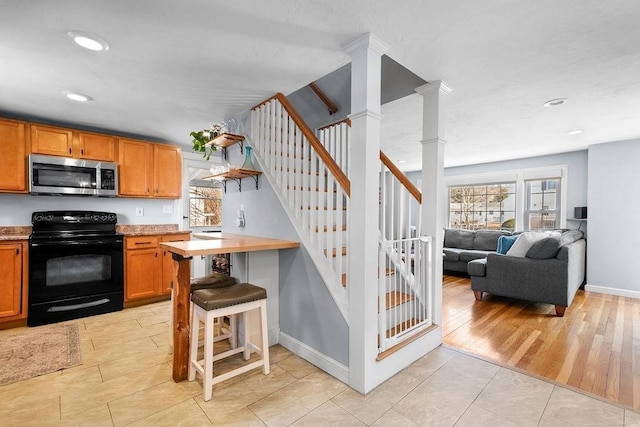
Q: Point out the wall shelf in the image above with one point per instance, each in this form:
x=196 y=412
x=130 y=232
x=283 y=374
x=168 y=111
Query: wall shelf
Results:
x=227 y=140
x=237 y=175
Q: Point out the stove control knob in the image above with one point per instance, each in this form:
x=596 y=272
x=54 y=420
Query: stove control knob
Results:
x=112 y=217
x=103 y=217
x=49 y=217
x=38 y=217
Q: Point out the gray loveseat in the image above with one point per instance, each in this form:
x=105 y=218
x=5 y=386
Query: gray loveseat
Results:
x=551 y=272
x=463 y=246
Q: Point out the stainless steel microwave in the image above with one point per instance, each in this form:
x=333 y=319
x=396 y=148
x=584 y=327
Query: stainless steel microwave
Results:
x=65 y=176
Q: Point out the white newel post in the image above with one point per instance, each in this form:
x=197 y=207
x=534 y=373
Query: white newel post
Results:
x=434 y=194
x=364 y=167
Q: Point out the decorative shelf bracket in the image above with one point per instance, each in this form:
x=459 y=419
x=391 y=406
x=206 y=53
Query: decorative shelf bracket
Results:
x=237 y=175
x=226 y=140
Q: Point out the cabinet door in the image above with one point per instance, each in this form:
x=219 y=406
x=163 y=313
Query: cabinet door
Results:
x=10 y=280
x=167 y=262
x=96 y=147
x=135 y=168
x=142 y=273
x=13 y=161
x=50 y=140
x=167 y=167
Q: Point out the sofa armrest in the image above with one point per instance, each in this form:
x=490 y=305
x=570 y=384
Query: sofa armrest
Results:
x=540 y=280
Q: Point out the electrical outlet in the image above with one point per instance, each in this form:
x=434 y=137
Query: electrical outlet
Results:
x=139 y=211
x=167 y=209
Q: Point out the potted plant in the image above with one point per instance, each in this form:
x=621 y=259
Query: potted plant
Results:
x=202 y=138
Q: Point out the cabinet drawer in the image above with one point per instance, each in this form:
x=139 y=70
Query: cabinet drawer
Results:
x=142 y=242
x=175 y=237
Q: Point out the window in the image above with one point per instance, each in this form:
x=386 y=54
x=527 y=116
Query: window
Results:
x=205 y=206
x=523 y=199
x=476 y=207
x=543 y=204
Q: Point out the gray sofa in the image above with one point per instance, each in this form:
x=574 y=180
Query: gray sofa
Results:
x=551 y=272
x=462 y=246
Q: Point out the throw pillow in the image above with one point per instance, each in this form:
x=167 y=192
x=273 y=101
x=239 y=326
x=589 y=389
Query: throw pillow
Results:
x=570 y=236
x=505 y=243
x=524 y=242
x=545 y=248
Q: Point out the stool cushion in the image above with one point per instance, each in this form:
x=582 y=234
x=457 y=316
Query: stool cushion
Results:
x=215 y=298
x=212 y=280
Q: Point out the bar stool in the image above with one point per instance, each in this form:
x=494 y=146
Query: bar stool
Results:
x=211 y=281
x=209 y=304
x=218 y=280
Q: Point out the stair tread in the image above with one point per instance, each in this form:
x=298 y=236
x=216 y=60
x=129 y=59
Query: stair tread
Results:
x=326 y=190
x=335 y=228
x=396 y=298
x=324 y=208
x=401 y=327
x=334 y=251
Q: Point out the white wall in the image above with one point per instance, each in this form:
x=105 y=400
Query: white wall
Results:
x=614 y=206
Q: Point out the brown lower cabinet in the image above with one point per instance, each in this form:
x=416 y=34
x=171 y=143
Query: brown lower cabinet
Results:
x=13 y=280
x=148 y=267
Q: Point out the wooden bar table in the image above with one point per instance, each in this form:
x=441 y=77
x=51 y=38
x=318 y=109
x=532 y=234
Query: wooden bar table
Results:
x=182 y=253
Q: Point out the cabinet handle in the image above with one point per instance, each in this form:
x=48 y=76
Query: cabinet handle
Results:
x=82 y=151
x=142 y=243
x=69 y=150
x=17 y=251
x=156 y=254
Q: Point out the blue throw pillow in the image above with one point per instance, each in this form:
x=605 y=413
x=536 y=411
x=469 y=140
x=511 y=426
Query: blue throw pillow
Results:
x=505 y=243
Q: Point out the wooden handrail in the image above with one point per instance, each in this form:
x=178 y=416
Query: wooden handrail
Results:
x=401 y=177
x=324 y=98
x=315 y=143
x=327 y=126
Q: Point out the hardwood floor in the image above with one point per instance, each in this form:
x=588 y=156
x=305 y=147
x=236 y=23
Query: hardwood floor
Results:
x=595 y=347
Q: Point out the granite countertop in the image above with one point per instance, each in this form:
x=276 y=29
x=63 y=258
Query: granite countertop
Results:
x=21 y=232
x=150 y=229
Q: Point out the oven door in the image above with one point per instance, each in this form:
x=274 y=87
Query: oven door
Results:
x=74 y=278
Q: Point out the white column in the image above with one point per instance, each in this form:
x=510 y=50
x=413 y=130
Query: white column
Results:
x=364 y=167
x=434 y=191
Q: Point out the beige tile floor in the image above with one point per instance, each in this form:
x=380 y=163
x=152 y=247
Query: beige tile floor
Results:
x=125 y=379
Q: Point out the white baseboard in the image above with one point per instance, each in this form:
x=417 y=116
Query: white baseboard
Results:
x=613 y=291
x=312 y=355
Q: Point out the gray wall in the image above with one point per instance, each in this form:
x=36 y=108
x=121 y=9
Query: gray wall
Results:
x=576 y=162
x=614 y=204
x=17 y=208
x=307 y=310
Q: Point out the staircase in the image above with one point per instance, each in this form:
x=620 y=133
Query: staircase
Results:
x=309 y=174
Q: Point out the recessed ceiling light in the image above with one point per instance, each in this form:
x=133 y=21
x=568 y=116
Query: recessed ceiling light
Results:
x=75 y=96
x=555 y=102
x=88 y=41
x=402 y=161
x=575 y=131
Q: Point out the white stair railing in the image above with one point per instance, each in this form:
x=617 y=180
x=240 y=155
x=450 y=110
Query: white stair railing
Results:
x=335 y=138
x=312 y=188
x=407 y=305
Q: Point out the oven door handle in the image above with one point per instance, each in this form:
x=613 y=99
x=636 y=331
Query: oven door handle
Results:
x=58 y=308
x=77 y=243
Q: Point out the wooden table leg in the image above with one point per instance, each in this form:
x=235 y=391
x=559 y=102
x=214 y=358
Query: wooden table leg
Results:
x=181 y=293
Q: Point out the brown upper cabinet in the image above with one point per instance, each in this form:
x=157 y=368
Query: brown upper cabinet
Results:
x=149 y=170
x=13 y=161
x=56 y=141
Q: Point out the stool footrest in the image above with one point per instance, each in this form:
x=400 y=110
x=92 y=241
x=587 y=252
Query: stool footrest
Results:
x=237 y=371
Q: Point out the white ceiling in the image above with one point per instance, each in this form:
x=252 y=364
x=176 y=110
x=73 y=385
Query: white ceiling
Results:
x=178 y=66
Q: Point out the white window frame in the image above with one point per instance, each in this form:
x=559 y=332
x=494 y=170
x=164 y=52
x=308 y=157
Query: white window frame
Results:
x=519 y=177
